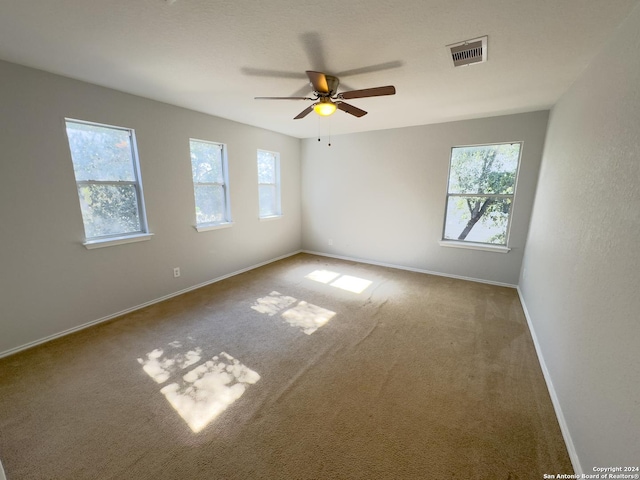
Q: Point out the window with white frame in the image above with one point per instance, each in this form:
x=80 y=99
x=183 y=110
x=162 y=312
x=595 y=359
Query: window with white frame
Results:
x=210 y=183
x=269 y=183
x=105 y=163
x=480 y=193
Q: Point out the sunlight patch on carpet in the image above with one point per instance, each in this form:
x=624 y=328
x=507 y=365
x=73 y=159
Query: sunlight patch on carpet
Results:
x=305 y=316
x=322 y=276
x=344 y=282
x=159 y=364
x=207 y=390
x=273 y=303
x=352 y=284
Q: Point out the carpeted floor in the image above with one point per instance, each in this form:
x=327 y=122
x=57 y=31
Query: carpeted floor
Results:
x=308 y=368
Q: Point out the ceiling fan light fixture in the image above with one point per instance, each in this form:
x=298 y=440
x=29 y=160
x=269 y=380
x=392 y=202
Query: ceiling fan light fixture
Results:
x=325 y=107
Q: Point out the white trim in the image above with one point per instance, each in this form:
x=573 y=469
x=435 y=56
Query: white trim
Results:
x=475 y=246
x=217 y=226
x=410 y=269
x=2 y=477
x=271 y=217
x=564 y=428
x=110 y=242
x=142 y=305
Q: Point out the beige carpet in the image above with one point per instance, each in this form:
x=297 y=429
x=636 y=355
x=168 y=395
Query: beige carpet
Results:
x=308 y=368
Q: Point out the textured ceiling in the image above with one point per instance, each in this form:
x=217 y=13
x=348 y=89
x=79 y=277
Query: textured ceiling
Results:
x=214 y=56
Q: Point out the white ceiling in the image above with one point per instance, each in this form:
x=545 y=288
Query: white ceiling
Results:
x=214 y=56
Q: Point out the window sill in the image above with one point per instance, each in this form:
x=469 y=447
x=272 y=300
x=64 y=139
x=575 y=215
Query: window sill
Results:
x=270 y=217
x=216 y=226
x=110 y=242
x=475 y=246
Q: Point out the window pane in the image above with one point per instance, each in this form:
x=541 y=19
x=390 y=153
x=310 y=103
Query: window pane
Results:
x=488 y=169
x=477 y=219
x=268 y=202
x=206 y=162
x=100 y=153
x=210 y=204
x=109 y=209
x=266 y=167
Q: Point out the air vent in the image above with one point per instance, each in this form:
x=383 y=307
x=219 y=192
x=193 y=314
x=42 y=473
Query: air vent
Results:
x=469 y=52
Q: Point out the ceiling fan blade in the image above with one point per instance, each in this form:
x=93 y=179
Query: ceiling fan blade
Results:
x=319 y=81
x=302 y=90
x=312 y=44
x=370 y=69
x=282 y=98
x=263 y=72
x=355 y=111
x=369 y=92
x=304 y=113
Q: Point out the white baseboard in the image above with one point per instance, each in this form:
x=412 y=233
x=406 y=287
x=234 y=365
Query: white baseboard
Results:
x=573 y=455
x=138 y=307
x=410 y=269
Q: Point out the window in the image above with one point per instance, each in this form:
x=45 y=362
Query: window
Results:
x=107 y=175
x=481 y=189
x=210 y=183
x=269 y=183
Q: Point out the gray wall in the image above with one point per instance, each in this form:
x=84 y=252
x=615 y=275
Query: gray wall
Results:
x=49 y=281
x=380 y=196
x=580 y=278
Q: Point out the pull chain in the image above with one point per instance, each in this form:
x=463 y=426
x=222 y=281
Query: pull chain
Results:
x=328 y=120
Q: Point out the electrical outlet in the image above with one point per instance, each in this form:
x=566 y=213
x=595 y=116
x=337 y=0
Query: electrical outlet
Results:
x=176 y=272
x=331 y=241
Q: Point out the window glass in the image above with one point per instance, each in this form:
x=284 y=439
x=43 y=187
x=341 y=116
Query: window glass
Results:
x=269 y=183
x=480 y=193
x=100 y=153
x=107 y=178
x=267 y=200
x=210 y=184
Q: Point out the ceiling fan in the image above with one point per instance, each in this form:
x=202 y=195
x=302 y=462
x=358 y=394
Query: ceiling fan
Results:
x=327 y=99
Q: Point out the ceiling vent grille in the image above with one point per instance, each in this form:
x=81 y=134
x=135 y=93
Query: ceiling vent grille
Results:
x=469 y=52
